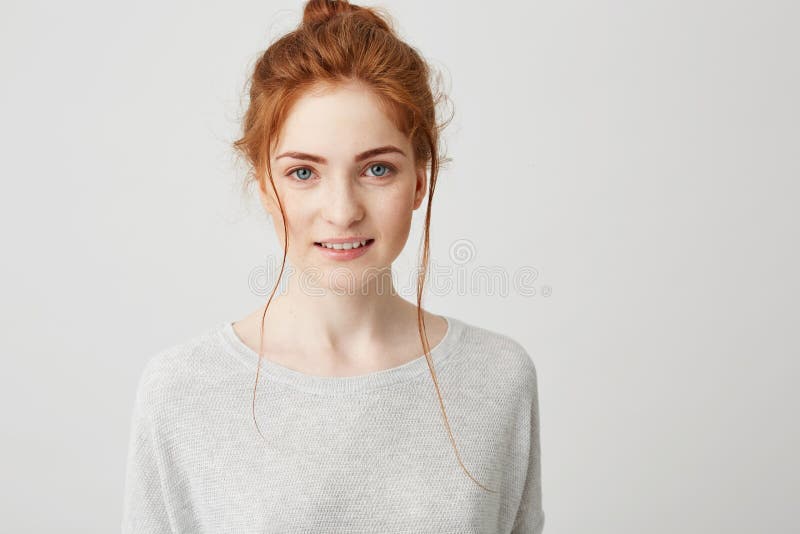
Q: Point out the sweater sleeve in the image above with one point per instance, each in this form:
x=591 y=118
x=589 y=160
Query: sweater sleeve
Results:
x=530 y=515
x=144 y=504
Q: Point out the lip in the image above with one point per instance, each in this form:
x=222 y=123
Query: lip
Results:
x=345 y=255
x=344 y=239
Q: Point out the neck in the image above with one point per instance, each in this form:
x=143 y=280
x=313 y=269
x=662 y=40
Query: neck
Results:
x=341 y=318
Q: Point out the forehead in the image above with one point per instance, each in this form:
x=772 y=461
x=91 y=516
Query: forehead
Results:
x=339 y=120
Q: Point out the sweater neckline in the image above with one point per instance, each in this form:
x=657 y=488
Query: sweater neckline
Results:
x=440 y=353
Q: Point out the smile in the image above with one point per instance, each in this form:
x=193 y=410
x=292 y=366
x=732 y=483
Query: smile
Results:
x=345 y=251
x=346 y=246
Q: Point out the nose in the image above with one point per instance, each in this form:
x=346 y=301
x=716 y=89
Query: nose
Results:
x=342 y=205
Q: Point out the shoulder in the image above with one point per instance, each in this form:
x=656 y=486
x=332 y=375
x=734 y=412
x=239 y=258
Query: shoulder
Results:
x=498 y=348
x=174 y=372
x=500 y=356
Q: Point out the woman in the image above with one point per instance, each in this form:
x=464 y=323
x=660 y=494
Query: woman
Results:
x=348 y=428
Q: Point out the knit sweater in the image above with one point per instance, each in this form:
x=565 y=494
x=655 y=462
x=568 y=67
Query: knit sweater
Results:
x=356 y=454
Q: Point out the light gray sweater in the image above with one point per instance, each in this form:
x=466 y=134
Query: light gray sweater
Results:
x=366 y=454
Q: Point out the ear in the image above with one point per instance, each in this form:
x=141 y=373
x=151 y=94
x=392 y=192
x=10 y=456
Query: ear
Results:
x=421 y=186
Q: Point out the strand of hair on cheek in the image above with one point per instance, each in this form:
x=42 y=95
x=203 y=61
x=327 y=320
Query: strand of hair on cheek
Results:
x=426 y=346
x=272 y=294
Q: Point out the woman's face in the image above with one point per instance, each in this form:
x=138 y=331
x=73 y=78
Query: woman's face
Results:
x=343 y=170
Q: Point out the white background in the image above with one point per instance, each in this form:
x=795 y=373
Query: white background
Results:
x=642 y=156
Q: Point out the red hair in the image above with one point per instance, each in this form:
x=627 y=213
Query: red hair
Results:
x=338 y=42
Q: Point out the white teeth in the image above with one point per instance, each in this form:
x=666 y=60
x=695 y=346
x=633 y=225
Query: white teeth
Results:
x=345 y=246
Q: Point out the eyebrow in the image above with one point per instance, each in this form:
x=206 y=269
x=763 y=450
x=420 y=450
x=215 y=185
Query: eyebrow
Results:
x=359 y=157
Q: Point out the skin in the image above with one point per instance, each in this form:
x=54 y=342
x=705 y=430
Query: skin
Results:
x=348 y=319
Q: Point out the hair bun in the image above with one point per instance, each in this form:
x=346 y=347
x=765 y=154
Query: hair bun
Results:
x=317 y=11
x=320 y=11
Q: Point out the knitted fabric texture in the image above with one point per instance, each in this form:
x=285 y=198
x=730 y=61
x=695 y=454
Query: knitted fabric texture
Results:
x=357 y=454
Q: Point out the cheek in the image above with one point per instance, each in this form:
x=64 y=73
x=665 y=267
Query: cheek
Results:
x=294 y=212
x=397 y=211
x=398 y=214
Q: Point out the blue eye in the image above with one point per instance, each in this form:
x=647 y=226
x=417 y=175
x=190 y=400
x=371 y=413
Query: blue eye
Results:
x=384 y=169
x=297 y=172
